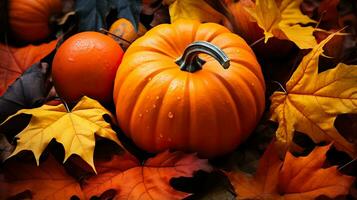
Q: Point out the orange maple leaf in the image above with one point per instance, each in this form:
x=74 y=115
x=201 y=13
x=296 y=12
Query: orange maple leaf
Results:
x=48 y=181
x=14 y=61
x=150 y=181
x=291 y=179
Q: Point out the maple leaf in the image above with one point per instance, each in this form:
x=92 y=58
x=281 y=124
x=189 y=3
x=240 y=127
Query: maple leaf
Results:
x=313 y=100
x=150 y=181
x=282 y=19
x=291 y=179
x=75 y=130
x=48 y=181
x=14 y=61
x=197 y=10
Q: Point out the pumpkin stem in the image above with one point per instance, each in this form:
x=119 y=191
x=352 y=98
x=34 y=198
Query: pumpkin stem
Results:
x=190 y=62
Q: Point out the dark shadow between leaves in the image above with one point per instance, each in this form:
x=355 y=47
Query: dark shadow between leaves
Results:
x=205 y=185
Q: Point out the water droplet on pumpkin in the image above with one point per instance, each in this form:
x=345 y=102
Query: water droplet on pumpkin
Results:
x=154 y=105
x=170 y=115
x=161 y=136
x=178 y=98
x=140 y=115
x=70 y=59
x=170 y=140
x=157 y=97
x=252 y=84
x=149 y=79
x=146 y=110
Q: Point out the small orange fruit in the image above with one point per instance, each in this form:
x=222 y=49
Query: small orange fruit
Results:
x=86 y=64
x=125 y=29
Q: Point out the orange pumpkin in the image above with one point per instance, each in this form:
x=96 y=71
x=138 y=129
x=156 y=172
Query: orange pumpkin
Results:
x=30 y=19
x=167 y=97
x=124 y=29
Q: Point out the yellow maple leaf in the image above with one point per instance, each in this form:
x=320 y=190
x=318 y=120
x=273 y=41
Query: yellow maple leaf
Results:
x=188 y=9
x=75 y=130
x=313 y=100
x=282 y=19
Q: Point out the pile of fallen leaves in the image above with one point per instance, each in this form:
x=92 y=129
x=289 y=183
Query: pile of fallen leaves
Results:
x=305 y=146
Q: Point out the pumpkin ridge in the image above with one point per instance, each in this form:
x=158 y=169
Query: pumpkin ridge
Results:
x=248 y=95
x=215 y=119
x=38 y=10
x=234 y=98
x=252 y=95
x=188 y=106
x=153 y=50
x=181 y=36
x=211 y=35
x=166 y=40
x=252 y=68
x=141 y=93
x=128 y=69
x=159 y=113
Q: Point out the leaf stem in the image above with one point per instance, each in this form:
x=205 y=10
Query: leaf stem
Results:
x=118 y=37
x=65 y=105
x=281 y=86
x=348 y=163
x=256 y=42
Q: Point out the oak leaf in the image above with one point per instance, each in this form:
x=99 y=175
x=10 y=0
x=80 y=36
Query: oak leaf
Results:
x=75 y=130
x=196 y=10
x=47 y=181
x=313 y=100
x=283 y=19
x=291 y=179
x=15 y=61
x=149 y=181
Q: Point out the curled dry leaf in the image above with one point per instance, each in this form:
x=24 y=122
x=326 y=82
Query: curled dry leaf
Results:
x=196 y=10
x=283 y=19
x=313 y=100
x=150 y=181
x=48 y=181
x=14 y=61
x=30 y=90
x=5 y=148
x=92 y=14
x=75 y=130
x=294 y=178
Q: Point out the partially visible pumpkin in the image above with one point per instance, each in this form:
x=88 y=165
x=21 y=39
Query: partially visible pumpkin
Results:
x=243 y=22
x=30 y=19
x=124 y=29
x=167 y=97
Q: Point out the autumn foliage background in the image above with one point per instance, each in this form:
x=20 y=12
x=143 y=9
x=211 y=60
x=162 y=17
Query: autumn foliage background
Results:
x=304 y=147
